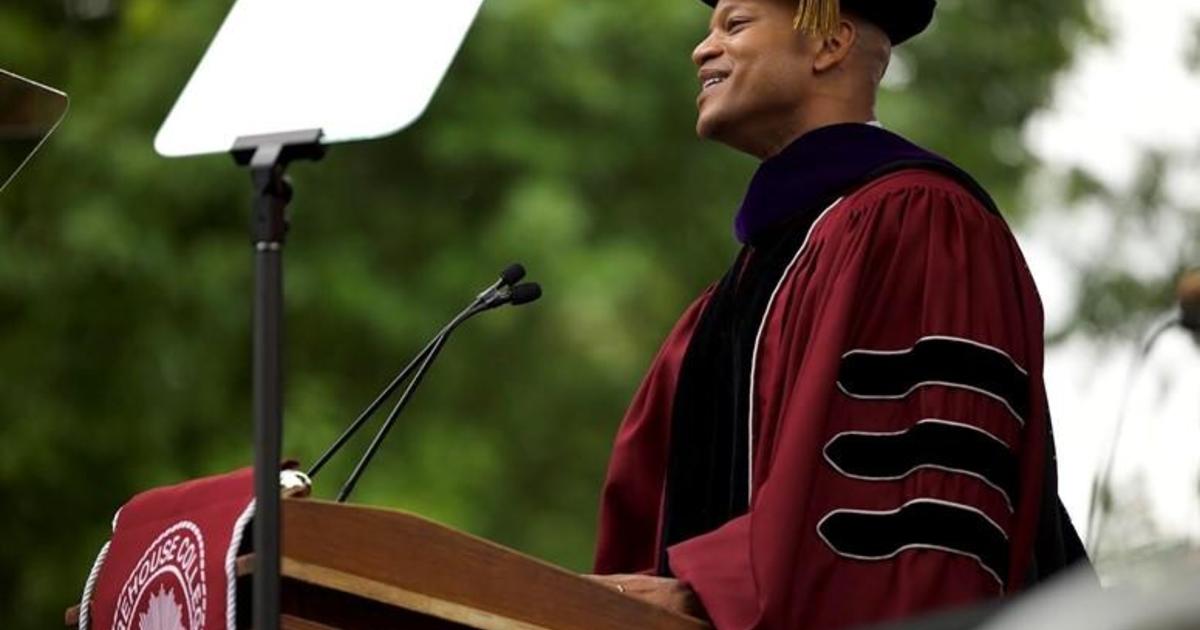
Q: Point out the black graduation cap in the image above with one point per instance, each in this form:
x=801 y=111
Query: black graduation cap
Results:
x=900 y=19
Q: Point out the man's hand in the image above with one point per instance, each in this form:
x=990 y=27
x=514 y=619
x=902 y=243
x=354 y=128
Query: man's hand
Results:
x=663 y=592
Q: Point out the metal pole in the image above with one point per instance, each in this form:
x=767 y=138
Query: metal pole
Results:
x=269 y=229
x=268 y=157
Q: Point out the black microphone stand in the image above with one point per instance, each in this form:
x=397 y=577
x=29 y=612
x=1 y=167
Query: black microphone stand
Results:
x=492 y=298
x=378 y=402
x=429 y=355
x=499 y=294
x=268 y=157
x=489 y=298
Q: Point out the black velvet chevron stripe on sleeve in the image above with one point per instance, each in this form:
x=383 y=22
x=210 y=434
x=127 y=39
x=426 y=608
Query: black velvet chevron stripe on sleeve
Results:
x=920 y=524
x=948 y=361
x=930 y=443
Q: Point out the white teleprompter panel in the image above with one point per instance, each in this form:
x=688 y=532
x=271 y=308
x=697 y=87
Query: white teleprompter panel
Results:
x=356 y=69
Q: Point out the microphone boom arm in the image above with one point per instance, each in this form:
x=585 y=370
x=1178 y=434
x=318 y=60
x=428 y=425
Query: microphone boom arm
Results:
x=491 y=297
x=430 y=353
x=379 y=400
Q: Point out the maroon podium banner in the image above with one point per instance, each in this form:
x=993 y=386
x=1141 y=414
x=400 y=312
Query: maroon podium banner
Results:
x=170 y=564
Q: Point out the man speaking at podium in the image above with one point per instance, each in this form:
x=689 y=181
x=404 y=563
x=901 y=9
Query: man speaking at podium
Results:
x=850 y=426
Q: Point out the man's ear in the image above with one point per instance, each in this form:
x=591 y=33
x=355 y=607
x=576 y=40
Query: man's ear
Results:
x=836 y=47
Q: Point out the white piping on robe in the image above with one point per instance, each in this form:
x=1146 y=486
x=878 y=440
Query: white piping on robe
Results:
x=758 y=338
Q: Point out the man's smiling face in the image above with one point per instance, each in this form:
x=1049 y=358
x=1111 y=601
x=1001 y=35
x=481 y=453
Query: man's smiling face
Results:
x=755 y=71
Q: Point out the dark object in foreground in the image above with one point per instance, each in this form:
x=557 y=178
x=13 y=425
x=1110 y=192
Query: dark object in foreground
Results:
x=29 y=113
x=958 y=619
x=1165 y=599
x=1188 y=292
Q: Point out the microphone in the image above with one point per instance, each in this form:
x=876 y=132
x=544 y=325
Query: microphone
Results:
x=1188 y=292
x=526 y=293
x=511 y=274
x=518 y=295
x=1185 y=315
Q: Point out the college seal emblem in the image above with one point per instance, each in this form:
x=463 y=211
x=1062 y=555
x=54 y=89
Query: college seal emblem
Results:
x=166 y=588
x=171 y=563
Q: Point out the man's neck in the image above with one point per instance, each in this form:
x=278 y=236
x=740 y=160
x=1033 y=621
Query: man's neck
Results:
x=773 y=145
x=816 y=114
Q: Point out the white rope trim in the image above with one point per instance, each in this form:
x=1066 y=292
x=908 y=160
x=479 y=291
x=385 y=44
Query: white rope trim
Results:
x=89 y=587
x=941 y=338
x=903 y=548
x=235 y=541
x=758 y=339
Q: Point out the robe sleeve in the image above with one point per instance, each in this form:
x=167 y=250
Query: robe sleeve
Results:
x=898 y=421
x=631 y=501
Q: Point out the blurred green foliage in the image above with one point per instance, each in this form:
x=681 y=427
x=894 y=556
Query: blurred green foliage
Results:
x=563 y=138
x=1117 y=301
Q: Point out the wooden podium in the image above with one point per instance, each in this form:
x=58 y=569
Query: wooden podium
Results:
x=347 y=566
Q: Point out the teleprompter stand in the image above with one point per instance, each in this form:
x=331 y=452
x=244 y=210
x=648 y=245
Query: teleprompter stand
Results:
x=268 y=157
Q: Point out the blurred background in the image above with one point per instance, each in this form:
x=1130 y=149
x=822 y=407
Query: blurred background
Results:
x=562 y=138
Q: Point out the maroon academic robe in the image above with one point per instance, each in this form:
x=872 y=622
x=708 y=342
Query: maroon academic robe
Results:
x=898 y=428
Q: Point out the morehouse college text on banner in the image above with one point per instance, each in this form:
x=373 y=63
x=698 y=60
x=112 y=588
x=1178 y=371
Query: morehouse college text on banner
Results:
x=171 y=561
